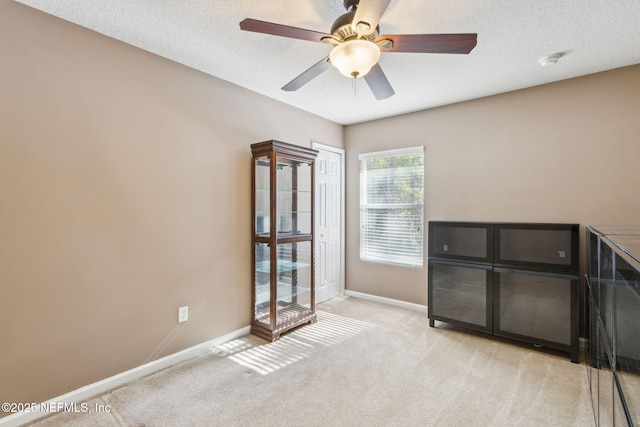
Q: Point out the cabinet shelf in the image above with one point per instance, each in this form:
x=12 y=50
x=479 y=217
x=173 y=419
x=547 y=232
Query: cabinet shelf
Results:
x=284 y=237
x=280 y=213
x=283 y=266
x=285 y=290
x=283 y=190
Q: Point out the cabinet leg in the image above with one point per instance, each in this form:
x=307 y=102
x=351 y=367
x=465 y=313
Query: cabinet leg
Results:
x=574 y=357
x=432 y=323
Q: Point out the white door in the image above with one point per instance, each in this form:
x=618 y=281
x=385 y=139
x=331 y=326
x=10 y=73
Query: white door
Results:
x=329 y=235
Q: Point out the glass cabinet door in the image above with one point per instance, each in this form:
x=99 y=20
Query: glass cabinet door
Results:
x=592 y=334
x=534 y=304
x=293 y=276
x=604 y=411
x=294 y=280
x=262 y=194
x=547 y=247
x=605 y=289
x=460 y=293
x=614 y=276
x=626 y=319
x=294 y=196
x=461 y=241
x=262 y=288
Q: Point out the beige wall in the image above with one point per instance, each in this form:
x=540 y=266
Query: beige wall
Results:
x=563 y=152
x=124 y=194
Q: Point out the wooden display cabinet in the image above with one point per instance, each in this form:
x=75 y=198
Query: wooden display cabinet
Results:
x=283 y=288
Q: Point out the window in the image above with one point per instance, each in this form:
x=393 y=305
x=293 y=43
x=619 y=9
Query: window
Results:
x=392 y=206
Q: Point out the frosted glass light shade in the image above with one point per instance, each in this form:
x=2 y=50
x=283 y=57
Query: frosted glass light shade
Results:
x=354 y=58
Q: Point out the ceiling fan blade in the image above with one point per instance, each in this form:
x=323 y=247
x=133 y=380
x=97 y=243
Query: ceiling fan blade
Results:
x=368 y=14
x=308 y=75
x=378 y=83
x=281 y=30
x=431 y=43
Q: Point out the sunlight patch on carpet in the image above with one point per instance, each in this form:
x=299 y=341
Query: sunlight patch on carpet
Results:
x=331 y=329
x=299 y=344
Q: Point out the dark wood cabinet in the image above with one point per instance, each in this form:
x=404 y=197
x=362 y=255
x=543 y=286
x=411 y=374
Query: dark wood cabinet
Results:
x=516 y=280
x=283 y=289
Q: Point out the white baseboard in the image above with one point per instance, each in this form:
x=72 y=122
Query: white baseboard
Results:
x=89 y=391
x=395 y=302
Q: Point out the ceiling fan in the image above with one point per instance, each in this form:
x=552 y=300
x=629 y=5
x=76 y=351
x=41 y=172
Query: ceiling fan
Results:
x=357 y=44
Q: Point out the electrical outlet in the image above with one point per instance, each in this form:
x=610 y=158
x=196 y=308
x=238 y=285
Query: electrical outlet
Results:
x=562 y=254
x=183 y=314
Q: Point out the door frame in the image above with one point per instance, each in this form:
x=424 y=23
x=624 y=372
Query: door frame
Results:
x=341 y=152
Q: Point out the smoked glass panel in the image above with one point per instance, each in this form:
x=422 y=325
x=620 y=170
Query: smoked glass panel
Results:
x=626 y=350
x=459 y=241
x=593 y=266
x=630 y=385
x=619 y=416
x=606 y=290
x=459 y=293
x=606 y=387
x=535 y=246
x=536 y=306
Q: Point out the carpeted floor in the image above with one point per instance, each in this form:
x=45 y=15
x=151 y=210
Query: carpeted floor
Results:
x=361 y=364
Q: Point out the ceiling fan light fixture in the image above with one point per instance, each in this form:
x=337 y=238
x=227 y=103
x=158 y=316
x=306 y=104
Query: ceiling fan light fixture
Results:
x=354 y=58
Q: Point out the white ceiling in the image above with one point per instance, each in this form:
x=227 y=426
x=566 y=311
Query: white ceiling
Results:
x=592 y=36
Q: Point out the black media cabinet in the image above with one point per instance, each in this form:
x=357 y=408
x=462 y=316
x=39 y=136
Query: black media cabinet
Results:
x=514 y=280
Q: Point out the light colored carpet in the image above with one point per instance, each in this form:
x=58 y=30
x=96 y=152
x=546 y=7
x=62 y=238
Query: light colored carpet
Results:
x=361 y=364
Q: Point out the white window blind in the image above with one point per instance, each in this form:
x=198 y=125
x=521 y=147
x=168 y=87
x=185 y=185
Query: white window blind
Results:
x=392 y=206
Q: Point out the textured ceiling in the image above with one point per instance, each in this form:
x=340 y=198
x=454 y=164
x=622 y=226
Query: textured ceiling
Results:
x=591 y=35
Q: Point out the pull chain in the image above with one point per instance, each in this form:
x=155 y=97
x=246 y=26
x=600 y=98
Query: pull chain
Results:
x=355 y=75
